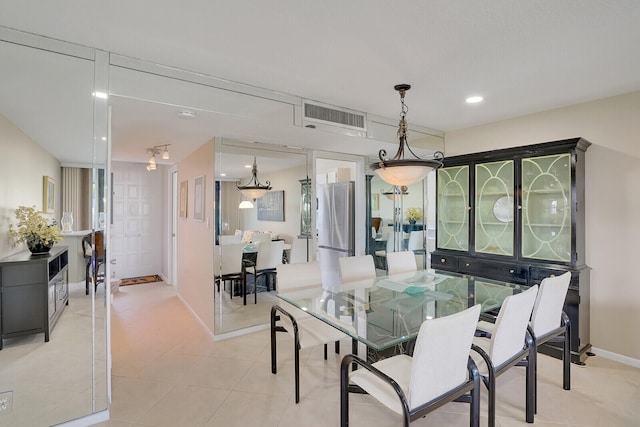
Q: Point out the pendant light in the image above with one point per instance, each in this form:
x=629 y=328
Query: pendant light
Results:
x=396 y=192
x=253 y=189
x=399 y=170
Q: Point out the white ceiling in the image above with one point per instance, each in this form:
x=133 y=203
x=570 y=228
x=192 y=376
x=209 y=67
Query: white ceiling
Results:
x=523 y=57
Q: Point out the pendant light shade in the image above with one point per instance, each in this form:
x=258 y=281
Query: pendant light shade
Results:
x=253 y=189
x=399 y=170
x=245 y=204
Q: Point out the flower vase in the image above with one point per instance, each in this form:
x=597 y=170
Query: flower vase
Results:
x=412 y=221
x=40 y=248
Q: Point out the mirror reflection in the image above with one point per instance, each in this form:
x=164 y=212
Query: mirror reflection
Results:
x=46 y=135
x=278 y=222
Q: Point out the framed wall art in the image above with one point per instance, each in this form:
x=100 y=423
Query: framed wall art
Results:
x=48 y=195
x=198 y=198
x=271 y=206
x=184 y=187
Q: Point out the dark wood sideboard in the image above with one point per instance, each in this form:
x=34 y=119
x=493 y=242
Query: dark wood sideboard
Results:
x=34 y=290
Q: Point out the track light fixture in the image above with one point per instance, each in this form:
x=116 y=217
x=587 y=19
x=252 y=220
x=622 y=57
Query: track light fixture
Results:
x=154 y=151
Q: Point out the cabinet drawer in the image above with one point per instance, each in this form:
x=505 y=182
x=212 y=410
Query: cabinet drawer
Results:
x=494 y=269
x=538 y=273
x=444 y=262
x=18 y=275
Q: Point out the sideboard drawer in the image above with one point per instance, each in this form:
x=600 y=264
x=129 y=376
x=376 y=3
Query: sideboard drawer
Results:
x=444 y=262
x=506 y=271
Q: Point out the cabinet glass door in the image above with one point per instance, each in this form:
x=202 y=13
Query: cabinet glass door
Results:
x=546 y=207
x=453 y=208
x=494 y=208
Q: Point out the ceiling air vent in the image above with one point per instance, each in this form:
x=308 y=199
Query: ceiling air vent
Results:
x=315 y=113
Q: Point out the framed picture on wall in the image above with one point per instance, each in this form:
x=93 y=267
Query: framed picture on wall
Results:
x=198 y=198
x=48 y=195
x=375 y=202
x=271 y=206
x=184 y=186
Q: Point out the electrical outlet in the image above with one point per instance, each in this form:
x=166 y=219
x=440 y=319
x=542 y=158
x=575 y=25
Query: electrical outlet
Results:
x=6 y=401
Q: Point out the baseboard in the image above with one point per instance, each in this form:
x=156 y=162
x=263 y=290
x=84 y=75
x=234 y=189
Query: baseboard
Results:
x=240 y=332
x=92 y=419
x=616 y=357
x=206 y=328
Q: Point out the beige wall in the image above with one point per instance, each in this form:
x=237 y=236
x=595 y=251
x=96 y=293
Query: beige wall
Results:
x=195 y=238
x=612 y=201
x=23 y=165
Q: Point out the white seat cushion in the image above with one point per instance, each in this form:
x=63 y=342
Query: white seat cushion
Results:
x=398 y=368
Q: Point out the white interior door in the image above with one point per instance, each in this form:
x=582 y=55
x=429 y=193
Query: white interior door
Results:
x=136 y=242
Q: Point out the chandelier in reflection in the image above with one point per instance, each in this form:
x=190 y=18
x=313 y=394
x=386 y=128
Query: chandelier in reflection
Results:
x=399 y=170
x=253 y=189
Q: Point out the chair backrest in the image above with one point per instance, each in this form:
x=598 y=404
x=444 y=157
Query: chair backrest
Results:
x=416 y=240
x=259 y=236
x=96 y=246
x=511 y=325
x=401 y=262
x=354 y=268
x=385 y=230
x=547 y=311
x=269 y=254
x=298 y=251
x=440 y=355
x=300 y=275
x=229 y=239
x=231 y=258
x=375 y=222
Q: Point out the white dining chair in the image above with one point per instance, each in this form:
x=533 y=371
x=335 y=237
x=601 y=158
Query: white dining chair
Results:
x=298 y=252
x=510 y=344
x=229 y=239
x=259 y=237
x=416 y=244
x=306 y=330
x=355 y=268
x=439 y=372
x=401 y=262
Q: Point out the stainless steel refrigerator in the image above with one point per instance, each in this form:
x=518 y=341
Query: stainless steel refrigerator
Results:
x=336 y=233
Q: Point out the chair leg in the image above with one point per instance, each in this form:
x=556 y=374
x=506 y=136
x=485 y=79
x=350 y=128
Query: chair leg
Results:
x=531 y=384
x=274 y=368
x=86 y=278
x=566 y=360
x=344 y=392
x=296 y=344
x=474 y=407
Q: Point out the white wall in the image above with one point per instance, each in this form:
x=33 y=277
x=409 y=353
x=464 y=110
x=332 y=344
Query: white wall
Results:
x=196 y=238
x=23 y=165
x=612 y=201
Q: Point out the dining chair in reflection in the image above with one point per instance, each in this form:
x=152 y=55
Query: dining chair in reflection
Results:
x=229 y=239
x=306 y=330
x=298 y=252
x=268 y=257
x=440 y=371
x=230 y=268
x=94 y=252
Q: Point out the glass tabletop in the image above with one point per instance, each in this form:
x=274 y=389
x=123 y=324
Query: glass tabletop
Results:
x=389 y=310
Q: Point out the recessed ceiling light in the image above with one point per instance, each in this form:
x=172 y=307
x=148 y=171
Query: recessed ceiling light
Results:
x=100 y=95
x=223 y=174
x=474 y=99
x=186 y=114
x=248 y=166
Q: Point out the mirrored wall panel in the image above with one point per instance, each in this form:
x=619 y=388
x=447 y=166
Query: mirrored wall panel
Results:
x=53 y=361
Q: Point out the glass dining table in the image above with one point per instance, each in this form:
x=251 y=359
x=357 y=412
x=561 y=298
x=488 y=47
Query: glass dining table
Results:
x=385 y=313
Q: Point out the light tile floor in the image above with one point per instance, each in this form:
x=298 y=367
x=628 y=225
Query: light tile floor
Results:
x=168 y=372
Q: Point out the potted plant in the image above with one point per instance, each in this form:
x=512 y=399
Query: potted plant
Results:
x=413 y=214
x=33 y=230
